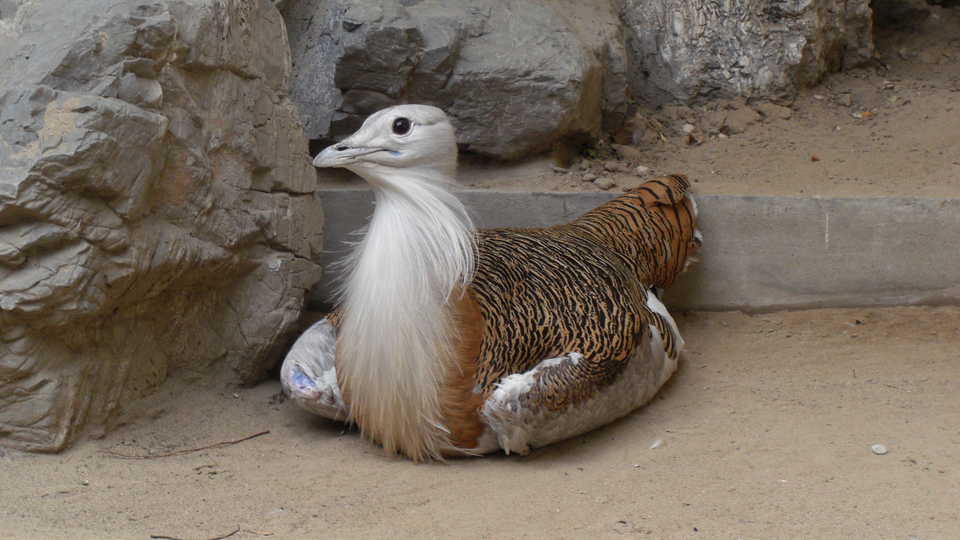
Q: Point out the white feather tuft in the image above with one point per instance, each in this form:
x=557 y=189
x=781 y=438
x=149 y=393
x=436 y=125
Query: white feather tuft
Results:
x=397 y=334
x=397 y=337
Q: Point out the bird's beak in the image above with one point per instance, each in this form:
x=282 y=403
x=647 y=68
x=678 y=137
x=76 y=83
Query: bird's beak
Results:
x=342 y=154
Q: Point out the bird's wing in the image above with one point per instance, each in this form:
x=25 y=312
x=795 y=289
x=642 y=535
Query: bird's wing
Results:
x=568 y=395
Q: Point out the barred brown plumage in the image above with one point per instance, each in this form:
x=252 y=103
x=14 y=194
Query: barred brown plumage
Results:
x=539 y=335
x=588 y=278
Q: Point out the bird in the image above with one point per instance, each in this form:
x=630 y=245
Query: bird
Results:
x=448 y=340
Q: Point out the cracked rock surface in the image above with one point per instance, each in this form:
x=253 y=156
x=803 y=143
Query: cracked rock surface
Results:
x=514 y=76
x=689 y=50
x=518 y=76
x=156 y=204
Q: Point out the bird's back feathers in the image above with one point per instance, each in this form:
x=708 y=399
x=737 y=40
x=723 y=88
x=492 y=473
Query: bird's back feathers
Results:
x=582 y=286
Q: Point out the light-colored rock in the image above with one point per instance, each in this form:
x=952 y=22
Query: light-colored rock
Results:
x=844 y=99
x=156 y=206
x=693 y=49
x=604 y=183
x=515 y=76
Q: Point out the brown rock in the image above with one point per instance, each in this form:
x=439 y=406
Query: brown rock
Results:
x=738 y=120
x=774 y=111
x=628 y=153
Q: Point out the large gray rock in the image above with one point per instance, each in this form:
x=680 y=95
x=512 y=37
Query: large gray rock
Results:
x=515 y=76
x=693 y=49
x=156 y=204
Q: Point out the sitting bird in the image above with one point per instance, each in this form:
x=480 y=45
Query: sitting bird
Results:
x=448 y=340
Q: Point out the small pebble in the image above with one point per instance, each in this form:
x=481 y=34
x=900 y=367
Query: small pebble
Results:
x=604 y=183
x=589 y=177
x=879 y=449
x=614 y=166
x=559 y=170
x=84 y=482
x=656 y=444
x=642 y=170
x=689 y=128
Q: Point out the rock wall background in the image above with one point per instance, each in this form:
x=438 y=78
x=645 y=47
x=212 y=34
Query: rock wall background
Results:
x=565 y=67
x=558 y=65
x=156 y=205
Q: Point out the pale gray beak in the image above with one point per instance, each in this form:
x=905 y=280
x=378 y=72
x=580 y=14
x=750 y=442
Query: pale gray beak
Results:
x=343 y=155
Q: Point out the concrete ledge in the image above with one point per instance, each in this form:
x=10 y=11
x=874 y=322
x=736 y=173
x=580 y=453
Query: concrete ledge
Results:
x=760 y=253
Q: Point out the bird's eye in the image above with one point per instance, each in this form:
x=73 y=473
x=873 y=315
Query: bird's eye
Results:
x=401 y=126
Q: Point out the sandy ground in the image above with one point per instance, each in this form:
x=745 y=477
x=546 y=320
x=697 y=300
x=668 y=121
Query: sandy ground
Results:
x=766 y=428
x=766 y=431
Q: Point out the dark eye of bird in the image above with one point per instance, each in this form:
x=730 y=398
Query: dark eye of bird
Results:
x=401 y=126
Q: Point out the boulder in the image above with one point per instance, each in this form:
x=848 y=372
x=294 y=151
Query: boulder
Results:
x=156 y=205
x=514 y=76
x=519 y=76
x=689 y=50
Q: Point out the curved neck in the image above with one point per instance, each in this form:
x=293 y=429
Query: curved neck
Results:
x=397 y=337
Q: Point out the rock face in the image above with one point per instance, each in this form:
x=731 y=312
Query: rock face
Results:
x=687 y=50
x=514 y=75
x=156 y=206
x=517 y=76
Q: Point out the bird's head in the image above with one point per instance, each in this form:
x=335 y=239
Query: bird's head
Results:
x=412 y=139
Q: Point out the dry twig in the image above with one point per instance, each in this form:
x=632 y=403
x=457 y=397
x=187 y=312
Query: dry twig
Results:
x=184 y=452
x=221 y=537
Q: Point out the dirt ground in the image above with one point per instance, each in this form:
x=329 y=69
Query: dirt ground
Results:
x=766 y=429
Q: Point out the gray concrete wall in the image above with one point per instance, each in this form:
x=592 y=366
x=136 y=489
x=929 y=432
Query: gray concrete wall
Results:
x=759 y=253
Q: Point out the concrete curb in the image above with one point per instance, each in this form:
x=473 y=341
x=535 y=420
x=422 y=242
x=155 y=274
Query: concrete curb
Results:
x=760 y=253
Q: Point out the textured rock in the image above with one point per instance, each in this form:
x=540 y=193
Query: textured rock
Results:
x=518 y=76
x=156 y=205
x=515 y=76
x=692 y=49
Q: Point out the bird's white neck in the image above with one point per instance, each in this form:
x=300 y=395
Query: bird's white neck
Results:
x=397 y=338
